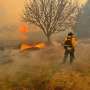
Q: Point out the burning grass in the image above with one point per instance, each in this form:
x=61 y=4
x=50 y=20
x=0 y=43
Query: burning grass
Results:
x=43 y=70
x=32 y=46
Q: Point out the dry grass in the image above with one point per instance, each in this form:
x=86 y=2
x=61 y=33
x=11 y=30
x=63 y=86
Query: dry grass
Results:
x=43 y=69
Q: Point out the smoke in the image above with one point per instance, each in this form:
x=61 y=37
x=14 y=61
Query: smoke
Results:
x=80 y=3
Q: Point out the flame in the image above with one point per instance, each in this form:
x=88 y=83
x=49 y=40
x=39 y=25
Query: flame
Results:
x=23 y=32
x=24 y=28
x=25 y=46
x=24 y=38
x=32 y=46
x=40 y=45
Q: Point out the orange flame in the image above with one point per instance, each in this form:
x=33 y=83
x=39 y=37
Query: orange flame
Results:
x=24 y=28
x=23 y=32
x=24 y=37
x=25 y=46
x=32 y=46
x=40 y=45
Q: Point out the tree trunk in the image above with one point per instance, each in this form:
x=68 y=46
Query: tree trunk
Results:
x=48 y=39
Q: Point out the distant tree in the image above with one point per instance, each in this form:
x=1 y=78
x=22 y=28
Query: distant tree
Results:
x=51 y=15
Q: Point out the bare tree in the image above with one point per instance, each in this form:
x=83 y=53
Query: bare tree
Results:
x=51 y=15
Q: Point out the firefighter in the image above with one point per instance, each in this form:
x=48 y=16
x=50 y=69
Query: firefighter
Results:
x=69 y=46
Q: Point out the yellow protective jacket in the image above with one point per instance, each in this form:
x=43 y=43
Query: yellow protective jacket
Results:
x=74 y=41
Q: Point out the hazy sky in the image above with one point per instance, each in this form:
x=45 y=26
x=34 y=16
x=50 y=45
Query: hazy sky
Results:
x=10 y=14
x=10 y=11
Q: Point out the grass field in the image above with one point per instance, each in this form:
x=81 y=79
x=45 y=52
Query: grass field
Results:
x=43 y=69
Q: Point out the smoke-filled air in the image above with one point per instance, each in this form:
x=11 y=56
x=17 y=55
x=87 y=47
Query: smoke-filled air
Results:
x=44 y=45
